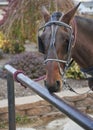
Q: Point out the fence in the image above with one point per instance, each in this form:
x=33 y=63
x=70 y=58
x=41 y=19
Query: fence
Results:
x=80 y=118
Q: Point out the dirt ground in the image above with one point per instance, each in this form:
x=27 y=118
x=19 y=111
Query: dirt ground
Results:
x=20 y=91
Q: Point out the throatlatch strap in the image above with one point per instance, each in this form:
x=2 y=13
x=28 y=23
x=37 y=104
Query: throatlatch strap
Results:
x=15 y=76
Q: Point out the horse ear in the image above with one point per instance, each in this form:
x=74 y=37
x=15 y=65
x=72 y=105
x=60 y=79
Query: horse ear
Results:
x=70 y=14
x=46 y=14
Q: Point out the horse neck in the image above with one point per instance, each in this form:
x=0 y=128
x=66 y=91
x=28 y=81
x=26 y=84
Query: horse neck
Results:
x=83 y=48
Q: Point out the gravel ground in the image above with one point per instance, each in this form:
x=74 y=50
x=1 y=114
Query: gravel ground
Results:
x=20 y=91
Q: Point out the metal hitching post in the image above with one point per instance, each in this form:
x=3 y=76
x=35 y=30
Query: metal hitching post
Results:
x=73 y=113
x=11 y=102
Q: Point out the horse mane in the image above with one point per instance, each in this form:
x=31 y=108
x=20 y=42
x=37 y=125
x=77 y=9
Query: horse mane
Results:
x=56 y=16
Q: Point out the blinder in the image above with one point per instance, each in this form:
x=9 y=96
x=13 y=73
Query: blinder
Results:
x=41 y=47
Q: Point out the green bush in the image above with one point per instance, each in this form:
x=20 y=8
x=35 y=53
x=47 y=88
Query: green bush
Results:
x=74 y=72
x=12 y=47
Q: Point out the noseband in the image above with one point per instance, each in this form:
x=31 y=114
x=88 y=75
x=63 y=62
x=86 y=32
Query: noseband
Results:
x=54 y=27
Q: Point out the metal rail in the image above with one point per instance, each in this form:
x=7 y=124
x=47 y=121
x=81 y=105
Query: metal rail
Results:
x=80 y=118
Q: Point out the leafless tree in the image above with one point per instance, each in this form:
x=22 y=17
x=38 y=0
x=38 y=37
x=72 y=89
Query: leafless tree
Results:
x=18 y=11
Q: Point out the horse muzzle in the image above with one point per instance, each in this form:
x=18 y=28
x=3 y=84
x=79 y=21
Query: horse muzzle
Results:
x=56 y=87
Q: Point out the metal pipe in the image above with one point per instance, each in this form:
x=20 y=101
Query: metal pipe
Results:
x=11 y=102
x=80 y=118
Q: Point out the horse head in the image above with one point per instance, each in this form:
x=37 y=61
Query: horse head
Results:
x=55 y=42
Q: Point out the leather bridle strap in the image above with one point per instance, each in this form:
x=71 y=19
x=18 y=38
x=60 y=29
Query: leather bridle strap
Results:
x=52 y=41
x=74 y=26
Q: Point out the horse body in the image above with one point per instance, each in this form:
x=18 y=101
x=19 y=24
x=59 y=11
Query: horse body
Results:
x=56 y=41
x=83 y=49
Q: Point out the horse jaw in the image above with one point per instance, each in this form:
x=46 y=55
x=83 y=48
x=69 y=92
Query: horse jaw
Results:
x=45 y=13
x=70 y=14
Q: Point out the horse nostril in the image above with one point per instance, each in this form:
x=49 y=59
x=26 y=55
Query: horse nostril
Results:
x=58 y=84
x=53 y=88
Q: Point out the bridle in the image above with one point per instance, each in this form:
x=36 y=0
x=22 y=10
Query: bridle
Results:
x=54 y=27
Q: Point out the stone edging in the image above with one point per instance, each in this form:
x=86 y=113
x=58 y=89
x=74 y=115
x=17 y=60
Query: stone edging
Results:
x=34 y=106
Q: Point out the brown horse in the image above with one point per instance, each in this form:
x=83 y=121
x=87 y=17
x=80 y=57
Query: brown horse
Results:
x=65 y=37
